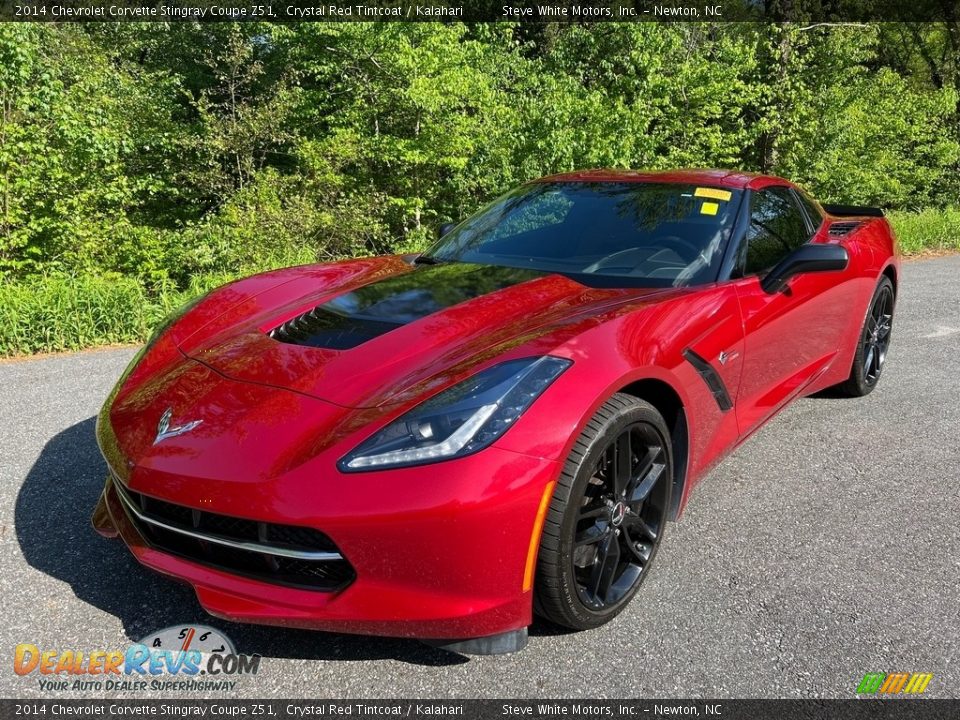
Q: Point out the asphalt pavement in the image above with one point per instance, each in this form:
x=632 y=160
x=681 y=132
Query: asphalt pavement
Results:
x=825 y=547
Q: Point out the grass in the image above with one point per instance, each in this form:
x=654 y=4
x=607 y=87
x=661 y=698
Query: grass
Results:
x=59 y=312
x=56 y=313
x=927 y=231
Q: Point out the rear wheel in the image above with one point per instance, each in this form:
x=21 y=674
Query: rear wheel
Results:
x=607 y=516
x=873 y=343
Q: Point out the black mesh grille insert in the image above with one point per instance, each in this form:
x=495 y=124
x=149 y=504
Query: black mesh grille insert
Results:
x=261 y=563
x=168 y=512
x=298 y=537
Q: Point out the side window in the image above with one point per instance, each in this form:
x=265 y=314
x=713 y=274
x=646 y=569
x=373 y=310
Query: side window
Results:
x=811 y=209
x=777 y=227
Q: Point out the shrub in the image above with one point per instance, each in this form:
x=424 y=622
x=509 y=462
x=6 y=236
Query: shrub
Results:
x=927 y=230
x=54 y=313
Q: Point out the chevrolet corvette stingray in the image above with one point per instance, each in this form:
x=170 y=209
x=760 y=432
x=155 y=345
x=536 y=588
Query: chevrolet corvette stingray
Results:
x=440 y=445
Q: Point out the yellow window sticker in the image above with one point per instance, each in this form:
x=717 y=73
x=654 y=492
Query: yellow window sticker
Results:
x=709 y=208
x=713 y=193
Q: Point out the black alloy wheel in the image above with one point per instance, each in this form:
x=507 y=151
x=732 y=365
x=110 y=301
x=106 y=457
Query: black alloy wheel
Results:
x=873 y=343
x=876 y=335
x=607 y=516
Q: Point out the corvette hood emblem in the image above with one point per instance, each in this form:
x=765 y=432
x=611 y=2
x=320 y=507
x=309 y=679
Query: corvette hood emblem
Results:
x=164 y=430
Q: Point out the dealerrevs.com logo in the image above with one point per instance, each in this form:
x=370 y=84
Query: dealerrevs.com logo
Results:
x=191 y=658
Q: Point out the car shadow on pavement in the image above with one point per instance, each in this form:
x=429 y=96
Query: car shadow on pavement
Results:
x=53 y=528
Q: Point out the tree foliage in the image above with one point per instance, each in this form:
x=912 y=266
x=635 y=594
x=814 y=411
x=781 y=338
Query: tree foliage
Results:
x=167 y=151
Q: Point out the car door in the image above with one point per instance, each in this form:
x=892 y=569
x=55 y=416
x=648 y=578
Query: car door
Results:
x=790 y=336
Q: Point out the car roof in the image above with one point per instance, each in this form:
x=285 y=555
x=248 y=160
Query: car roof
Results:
x=735 y=179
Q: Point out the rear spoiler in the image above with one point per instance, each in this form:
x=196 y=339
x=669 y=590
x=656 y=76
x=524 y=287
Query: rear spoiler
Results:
x=853 y=210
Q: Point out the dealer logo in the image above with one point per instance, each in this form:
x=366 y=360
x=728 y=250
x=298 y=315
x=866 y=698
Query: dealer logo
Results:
x=170 y=659
x=192 y=637
x=894 y=683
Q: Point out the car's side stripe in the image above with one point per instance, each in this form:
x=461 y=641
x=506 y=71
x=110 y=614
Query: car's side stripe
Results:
x=710 y=376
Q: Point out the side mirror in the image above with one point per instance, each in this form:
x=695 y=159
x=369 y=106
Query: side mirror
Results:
x=815 y=257
x=445 y=228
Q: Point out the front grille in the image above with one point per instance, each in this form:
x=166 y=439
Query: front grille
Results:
x=282 y=554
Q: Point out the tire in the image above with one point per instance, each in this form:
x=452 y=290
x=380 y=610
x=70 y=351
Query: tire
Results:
x=618 y=523
x=872 y=343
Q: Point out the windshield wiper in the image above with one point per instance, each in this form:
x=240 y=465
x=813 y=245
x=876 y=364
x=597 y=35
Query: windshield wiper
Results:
x=428 y=260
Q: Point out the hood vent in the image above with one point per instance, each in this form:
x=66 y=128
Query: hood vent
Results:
x=844 y=227
x=322 y=328
x=372 y=310
x=300 y=327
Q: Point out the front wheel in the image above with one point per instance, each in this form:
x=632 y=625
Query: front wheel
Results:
x=607 y=516
x=873 y=343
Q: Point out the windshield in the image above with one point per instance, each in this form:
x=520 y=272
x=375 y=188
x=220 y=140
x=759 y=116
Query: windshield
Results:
x=630 y=233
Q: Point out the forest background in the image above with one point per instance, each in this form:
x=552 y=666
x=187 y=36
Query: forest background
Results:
x=142 y=164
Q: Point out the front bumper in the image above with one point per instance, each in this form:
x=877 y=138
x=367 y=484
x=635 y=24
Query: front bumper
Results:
x=439 y=552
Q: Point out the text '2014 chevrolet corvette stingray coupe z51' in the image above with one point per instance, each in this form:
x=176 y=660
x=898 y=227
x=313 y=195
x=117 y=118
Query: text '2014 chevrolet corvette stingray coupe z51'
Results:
x=439 y=446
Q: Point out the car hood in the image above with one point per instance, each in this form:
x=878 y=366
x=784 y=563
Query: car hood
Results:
x=381 y=331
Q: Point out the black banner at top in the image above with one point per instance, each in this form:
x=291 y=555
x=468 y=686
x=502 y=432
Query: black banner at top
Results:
x=811 y=12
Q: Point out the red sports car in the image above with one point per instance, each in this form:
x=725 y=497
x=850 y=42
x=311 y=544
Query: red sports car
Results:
x=438 y=446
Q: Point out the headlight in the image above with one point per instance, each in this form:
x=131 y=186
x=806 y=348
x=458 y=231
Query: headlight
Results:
x=462 y=419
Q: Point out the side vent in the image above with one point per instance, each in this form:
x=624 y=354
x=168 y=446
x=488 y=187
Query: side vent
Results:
x=714 y=382
x=844 y=227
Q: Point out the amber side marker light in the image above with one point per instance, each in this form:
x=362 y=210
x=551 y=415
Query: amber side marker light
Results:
x=535 y=535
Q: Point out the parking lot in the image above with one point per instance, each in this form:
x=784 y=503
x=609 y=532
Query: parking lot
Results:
x=826 y=547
